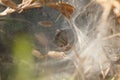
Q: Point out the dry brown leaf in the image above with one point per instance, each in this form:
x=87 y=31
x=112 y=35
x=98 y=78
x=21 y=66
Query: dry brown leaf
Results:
x=28 y=4
x=55 y=54
x=64 y=8
x=7 y=11
x=37 y=54
x=45 y=23
x=11 y=7
x=9 y=3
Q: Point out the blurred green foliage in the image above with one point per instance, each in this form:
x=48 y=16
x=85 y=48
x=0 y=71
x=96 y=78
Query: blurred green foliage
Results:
x=22 y=54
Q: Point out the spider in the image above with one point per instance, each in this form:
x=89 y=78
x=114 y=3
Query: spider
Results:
x=63 y=39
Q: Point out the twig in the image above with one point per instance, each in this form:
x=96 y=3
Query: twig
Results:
x=58 y=17
x=111 y=36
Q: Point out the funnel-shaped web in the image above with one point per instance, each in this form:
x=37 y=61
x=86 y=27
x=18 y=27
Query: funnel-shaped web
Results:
x=81 y=46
